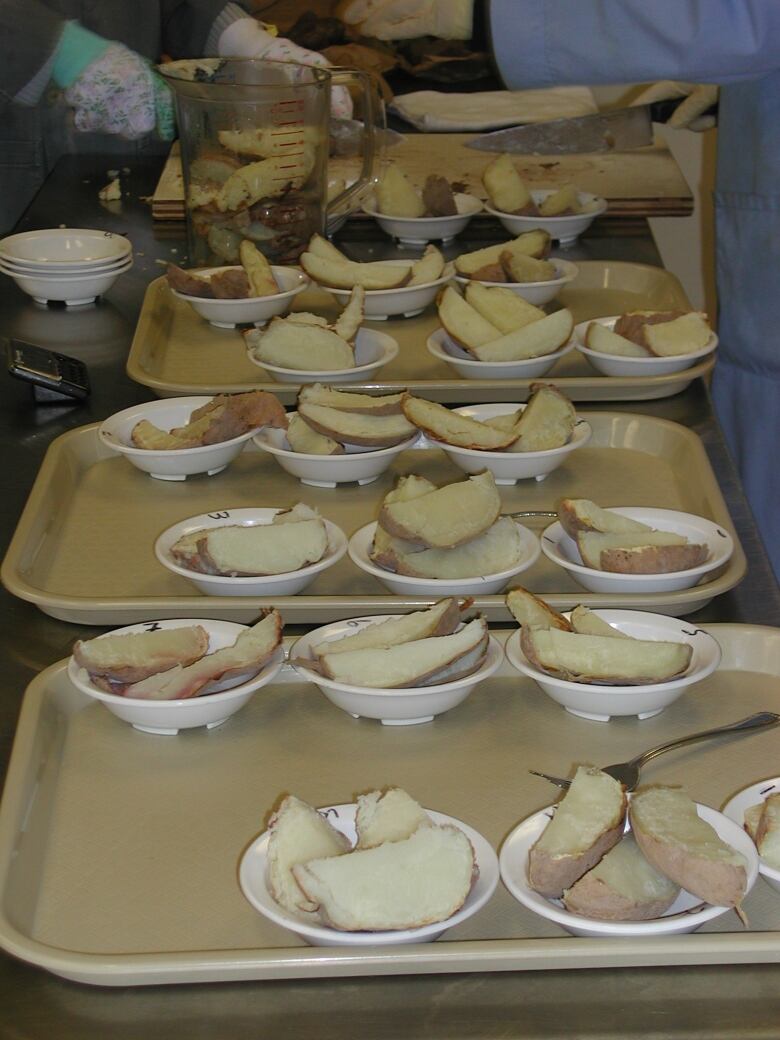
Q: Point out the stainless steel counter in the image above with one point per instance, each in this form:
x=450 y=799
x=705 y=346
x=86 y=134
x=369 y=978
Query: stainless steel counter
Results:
x=705 y=1002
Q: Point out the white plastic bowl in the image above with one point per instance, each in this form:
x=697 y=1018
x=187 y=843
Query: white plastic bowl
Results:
x=537 y=293
x=58 y=271
x=70 y=248
x=403 y=585
x=72 y=289
x=402 y=706
x=380 y=304
x=558 y=547
x=510 y=466
x=373 y=350
x=600 y=702
x=252 y=877
x=254 y=310
x=445 y=349
x=287 y=583
x=614 y=365
x=176 y=463
x=359 y=464
x=217 y=702
x=735 y=810
x=417 y=231
x=565 y=230
x=681 y=916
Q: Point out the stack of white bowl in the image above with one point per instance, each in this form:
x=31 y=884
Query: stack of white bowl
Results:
x=71 y=264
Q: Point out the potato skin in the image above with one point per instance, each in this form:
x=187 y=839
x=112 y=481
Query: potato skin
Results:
x=591 y=897
x=654 y=559
x=551 y=875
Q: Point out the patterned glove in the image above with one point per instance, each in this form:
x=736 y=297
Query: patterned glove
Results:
x=408 y=19
x=699 y=97
x=119 y=93
x=246 y=38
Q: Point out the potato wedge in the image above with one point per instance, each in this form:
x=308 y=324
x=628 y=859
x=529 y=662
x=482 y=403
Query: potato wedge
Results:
x=348 y=323
x=396 y=197
x=188 y=282
x=367 y=430
x=384 y=816
x=307 y=318
x=604 y=660
x=448 y=426
x=429 y=268
x=658 y=552
x=324 y=248
x=346 y=275
x=502 y=307
x=350 y=401
x=498 y=549
x=447 y=517
x=546 y=422
x=591 y=544
x=632 y=324
x=580 y=514
x=588 y=821
x=624 y=886
x=505 y=188
x=686 y=848
x=536 y=243
x=407 y=488
x=463 y=323
x=258 y=270
x=587 y=623
x=309 y=348
x=484 y=264
x=302 y=438
x=605 y=341
x=268 y=178
x=529 y=610
x=441 y=619
x=534 y=340
x=133 y=656
x=767 y=837
x=562 y=202
x=274 y=548
x=521 y=268
x=684 y=335
x=437 y=197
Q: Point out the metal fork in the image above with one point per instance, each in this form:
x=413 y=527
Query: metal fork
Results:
x=627 y=773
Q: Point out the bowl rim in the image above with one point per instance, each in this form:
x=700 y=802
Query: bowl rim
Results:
x=771 y=786
x=574 y=442
x=303 y=283
x=378 y=294
x=67 y=279
x=267 y=673
x=542 y=193
x=651 y=359
x=487 y=862
x=469 y=584
x=260 y=439
x=125 y=244
x=337 y=547
x=550 y=539
x=518 y=660
x=568 y=267
x=387 y=343
x=439 y=351
x=666 y=924
x=417 y=221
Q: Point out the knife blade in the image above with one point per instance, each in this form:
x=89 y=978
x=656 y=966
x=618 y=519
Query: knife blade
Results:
x=619 y=130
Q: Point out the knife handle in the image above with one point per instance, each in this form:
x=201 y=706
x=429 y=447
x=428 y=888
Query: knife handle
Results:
x=662 y=111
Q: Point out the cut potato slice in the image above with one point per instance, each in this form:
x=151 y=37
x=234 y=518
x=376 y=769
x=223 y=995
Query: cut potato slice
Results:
x=407 y=488
x=463 y=323
x=400 y=884
x=452 y=428
x=522 y=268
x=482 y=263
x=591 y=544
x=506 y=421
x=562 y=202
x=632 y=324
x=580 y=514
x=657 y=552
x=324 y=248
x=768 y=831
x=350 y=401
x=396 y=197
x=574 y=657
x=258 y=270
x=307 y=318
x=684 y=335
x=534 y=340
x=423 y=662
x=531 y=611
x=268 y=178
x=686 y=848
x=439 y=620
x=498 y=549
x=502 y=307
x=547 y=421
x=274 y=548
x=133 y=656
x=302 y=438
x=367 y=430
x=297 y=834
x=447 y=517
x=622 y=887
x=505 y=188
x=587 y=823
x=605 y=341
x=346 y=275
x=437 y=197
x=753 y=819
x=384 y=816
x=428 y=268
x=351 y=318
x=584 y=621
x=534 y=243
x=289 y=344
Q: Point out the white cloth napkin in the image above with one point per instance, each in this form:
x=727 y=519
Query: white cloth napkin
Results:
x=491 y=109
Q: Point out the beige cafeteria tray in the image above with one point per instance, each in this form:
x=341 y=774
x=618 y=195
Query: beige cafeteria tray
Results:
x=119 y=849
x=83 y=548
x=175 y=353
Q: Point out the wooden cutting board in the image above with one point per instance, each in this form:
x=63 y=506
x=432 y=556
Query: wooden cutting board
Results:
x=646 y=182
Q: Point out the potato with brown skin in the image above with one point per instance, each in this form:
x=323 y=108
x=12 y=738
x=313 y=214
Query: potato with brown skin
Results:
x=448 y=426
x=653 y=559
x=463 y=323
x=447 y=517
x=580 y=514
x=437 y=197
x=530 y=610
x=230 y=284
x=350 y=401
x=631 y=325
x=188 y=283
x=366 y=430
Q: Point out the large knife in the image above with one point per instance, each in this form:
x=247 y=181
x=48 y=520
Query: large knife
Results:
x=619 y=130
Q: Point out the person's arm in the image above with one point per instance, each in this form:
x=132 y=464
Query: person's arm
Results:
x=192 y=28
x=541 y=43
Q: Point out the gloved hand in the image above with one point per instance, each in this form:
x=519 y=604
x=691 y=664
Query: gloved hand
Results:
x=408 y=19
x=246 y=38
x=689 y=114
x=112 y=89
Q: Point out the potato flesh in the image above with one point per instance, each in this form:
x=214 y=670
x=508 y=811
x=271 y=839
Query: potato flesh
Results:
x=356 y=428
x=258 y=270
x=396 y=197
x=429 y=268
x=683 y=335
x=274 y=548
x=302 y=438
x=534 y=340
x=449 y=516
x=351 y=318
x=547 y=422
x=134 y=655
x=498 y=549
x=346 y=274
x=305 y=348
x=441 y=619
x=530 y=610
x=407 y=488
x=592 y=544
x=588 y=623
x=505 y=187
x=564 y=200
x=349 y=401
x=575 y=657
x=768 y=831
x=604 y=341
x=580 y=514
x=452 y=428
x=593 y=804
x=502 y=307
x=533 y=243
x=392 y=815
x=463 y=323
x=522 y=268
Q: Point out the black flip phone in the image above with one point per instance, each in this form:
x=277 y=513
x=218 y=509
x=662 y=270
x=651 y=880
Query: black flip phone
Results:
x=53 y=376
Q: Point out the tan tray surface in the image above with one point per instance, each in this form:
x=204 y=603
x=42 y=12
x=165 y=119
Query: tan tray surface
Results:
x=119 y=849
x=83 y=549
x=175 y=352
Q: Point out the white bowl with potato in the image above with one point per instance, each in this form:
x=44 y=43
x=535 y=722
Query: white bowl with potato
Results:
x=417 y=231
x=253 y=310
x=540 y=292
x=599 y=702
x=686 y=913
x=373 y=350
x=739 y=808
x=396 y=706
x=441 y=345
x=566 y=228
x=674 y=529
x=610 y=364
